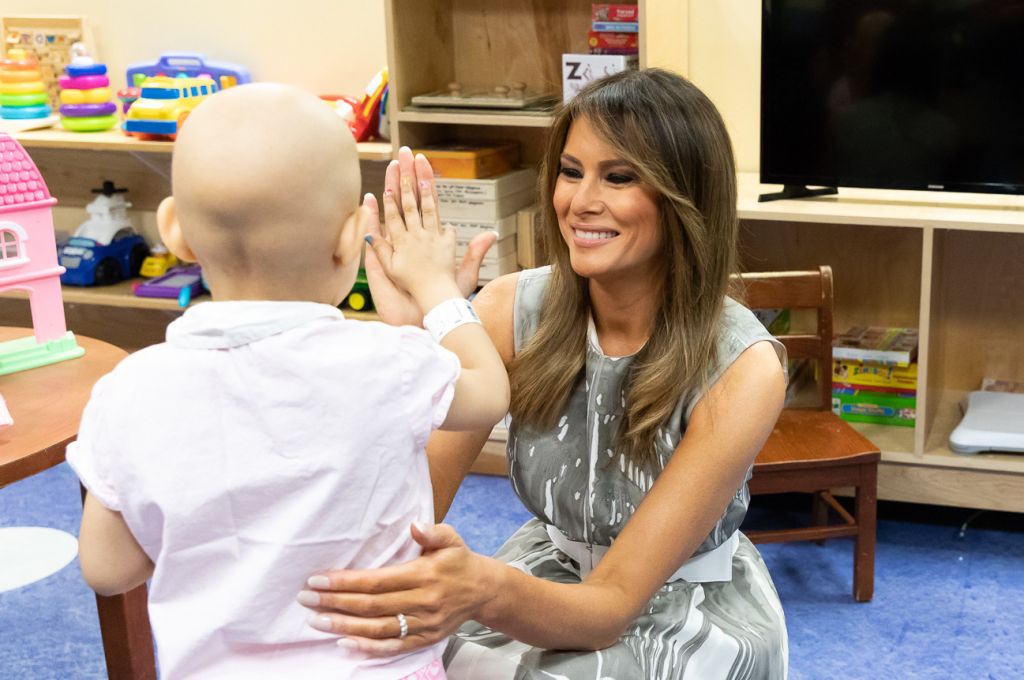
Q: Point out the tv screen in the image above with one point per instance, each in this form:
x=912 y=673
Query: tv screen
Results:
x=899 y=94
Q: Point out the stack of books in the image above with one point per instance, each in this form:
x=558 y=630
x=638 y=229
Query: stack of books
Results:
x=474 y=206
x=874 y=375
x=614 y=29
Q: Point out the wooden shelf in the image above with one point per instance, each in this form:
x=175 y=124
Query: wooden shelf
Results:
x=114 y=140
x=534 y=119
x=877 y=207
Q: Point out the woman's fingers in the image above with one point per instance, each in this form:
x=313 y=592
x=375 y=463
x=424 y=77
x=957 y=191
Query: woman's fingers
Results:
x=392 y=178
x=428 y=188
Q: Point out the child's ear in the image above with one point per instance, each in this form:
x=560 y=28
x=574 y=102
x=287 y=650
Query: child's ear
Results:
x=170 y=230
x=350 y=240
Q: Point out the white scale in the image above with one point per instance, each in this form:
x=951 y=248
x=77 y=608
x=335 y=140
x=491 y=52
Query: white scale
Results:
x=993 y=421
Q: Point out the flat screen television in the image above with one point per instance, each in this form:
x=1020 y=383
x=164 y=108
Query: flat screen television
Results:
x=896 y=94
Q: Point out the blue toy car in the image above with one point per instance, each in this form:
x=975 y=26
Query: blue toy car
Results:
x=89 y=263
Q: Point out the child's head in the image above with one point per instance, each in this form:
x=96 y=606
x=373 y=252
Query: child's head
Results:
x=266 y=196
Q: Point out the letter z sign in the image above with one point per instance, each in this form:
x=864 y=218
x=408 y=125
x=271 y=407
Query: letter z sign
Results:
x=580 y=69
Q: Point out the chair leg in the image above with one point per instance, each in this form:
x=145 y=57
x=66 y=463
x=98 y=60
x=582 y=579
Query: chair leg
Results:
x=819 y=513
x=864 y=545
x=127 y=637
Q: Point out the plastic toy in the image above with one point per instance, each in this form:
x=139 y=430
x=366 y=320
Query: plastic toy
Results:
x=358 y=298
x=26 y=215
x=182 y=283
x=105 y=248
x=189 y=65
x=22 y=87
x=363 y=114
x=95 y=111
x=164 y=104
x=127 y=96
x=159 y=261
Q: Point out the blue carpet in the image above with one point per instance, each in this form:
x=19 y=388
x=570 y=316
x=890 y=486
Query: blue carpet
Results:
x=945 y=606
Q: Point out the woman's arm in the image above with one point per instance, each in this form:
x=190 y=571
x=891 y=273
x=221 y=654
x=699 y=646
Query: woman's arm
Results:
x=112 y=561
x=451 y=454
x=450 y=584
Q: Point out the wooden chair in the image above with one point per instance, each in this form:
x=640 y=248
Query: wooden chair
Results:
x=811 y=449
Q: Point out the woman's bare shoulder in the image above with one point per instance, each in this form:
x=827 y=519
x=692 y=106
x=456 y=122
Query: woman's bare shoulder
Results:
x=494 y=304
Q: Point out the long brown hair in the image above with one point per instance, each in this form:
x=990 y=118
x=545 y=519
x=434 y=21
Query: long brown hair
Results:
x=674 y=138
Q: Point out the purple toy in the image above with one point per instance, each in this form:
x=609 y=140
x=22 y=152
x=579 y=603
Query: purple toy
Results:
x=84 y=110
x=179 y=282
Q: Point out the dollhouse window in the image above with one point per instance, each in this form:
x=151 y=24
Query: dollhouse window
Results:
x=12 y=252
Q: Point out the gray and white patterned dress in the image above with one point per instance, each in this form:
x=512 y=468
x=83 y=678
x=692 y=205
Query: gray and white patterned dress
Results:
x=719 y=617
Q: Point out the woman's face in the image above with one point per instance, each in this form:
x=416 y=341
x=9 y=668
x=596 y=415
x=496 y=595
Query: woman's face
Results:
x=606 y=216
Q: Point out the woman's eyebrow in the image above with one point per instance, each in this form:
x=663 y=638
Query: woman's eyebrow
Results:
x=609 y=163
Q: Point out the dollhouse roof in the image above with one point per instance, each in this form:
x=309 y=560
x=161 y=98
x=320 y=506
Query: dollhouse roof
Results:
x=21 y=185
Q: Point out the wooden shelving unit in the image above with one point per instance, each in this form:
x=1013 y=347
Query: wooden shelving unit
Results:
x=948 y=264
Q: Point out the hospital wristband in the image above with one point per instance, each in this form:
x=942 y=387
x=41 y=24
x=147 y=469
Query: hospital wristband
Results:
x=447 y=316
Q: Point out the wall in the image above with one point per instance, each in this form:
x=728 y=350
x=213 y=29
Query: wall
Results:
x=325 y=46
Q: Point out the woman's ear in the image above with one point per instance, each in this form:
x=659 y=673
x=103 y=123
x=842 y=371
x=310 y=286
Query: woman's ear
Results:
x=355 y=228
x=170 y=230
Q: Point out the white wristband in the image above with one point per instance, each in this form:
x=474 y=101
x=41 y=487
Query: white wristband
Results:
x=449 y=315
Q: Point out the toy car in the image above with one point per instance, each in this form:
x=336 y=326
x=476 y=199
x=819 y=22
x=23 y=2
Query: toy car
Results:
x=164 y=104
x=159 y=261
x=105 y=248
x=183 y=283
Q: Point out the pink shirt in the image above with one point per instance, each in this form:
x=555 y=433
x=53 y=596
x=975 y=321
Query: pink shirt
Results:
x=263 y=442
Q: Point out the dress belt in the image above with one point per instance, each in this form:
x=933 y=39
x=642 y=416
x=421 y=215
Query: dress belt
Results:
x=714 y=565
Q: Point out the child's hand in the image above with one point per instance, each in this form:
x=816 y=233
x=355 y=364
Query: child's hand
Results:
x=414 y=250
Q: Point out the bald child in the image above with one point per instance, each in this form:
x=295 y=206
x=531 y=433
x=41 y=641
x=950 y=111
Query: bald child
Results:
x=269 y=438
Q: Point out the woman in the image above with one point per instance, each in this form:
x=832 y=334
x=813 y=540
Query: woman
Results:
x=640 y=396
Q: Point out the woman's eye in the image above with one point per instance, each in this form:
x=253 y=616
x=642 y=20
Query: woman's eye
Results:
x=571 y=173
x=619 y=178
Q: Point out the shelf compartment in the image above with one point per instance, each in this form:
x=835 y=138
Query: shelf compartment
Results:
x=532 y=119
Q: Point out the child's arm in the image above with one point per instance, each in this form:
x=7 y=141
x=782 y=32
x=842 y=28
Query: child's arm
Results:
x=417 y=252
x=112 y=561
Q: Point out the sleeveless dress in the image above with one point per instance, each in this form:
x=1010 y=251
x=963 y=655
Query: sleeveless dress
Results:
x=718 y=617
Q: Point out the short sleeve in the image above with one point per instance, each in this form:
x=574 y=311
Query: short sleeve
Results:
x=738 y=330
x=428 y=376
x=89 y=455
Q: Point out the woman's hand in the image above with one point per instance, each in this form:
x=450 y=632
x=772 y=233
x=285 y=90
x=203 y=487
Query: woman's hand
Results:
x=436 y=593
x=394 y=305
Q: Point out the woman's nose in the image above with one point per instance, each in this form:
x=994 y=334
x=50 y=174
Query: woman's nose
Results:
x=587 y=197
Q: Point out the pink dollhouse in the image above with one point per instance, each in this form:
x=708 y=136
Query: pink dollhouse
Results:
x=28 y=261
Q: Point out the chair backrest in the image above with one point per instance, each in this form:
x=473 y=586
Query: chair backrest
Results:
x=800 y=290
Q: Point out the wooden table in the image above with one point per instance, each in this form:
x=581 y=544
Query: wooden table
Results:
x=46 y=404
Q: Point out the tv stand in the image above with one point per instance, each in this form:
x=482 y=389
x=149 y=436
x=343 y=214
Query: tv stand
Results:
x=796 y=191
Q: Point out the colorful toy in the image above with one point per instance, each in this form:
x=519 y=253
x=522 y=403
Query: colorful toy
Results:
x=189 y=65
x=85 y=95
x=182 y=283
x=363 y=115
x=159 y=261
x=22 y=89
x=105 y=248
x=127 y=95
x=26 y=215
x=164 y=104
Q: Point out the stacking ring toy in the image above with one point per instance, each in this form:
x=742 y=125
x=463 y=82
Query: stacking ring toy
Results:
x=76 y=70
x=16 y=65
x=22 y=99
x=25 y=76
x=89 y=123
x=22 y=88
x=95 y=96
x=83 y=82
x=87 y=110
x=24 y=112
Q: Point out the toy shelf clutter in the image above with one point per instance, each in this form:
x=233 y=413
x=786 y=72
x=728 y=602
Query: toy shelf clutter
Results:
x=28 y=261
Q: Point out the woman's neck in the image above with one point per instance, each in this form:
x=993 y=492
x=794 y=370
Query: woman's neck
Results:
x=623 y=311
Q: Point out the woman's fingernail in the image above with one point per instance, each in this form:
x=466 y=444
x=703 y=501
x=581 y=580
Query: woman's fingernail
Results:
x=496 y=234
x=308 y=598
x=346 y=643
x=392 y=164
x=388 y=193
x=320 y=622
x=406 y=149
x=318 y=582
x=368 y=239
x=423 y=528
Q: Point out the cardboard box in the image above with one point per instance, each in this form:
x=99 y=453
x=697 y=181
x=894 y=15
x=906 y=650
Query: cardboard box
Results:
x=499 y=251
x=867 y=406
x=488 y=189
x=492 y=270
x=467 y=229
x=580 y=69
x=471 y=161
x=615 y=27
x=873 y=374
x=475 y=209
x=614 y=12
x=616 y=41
